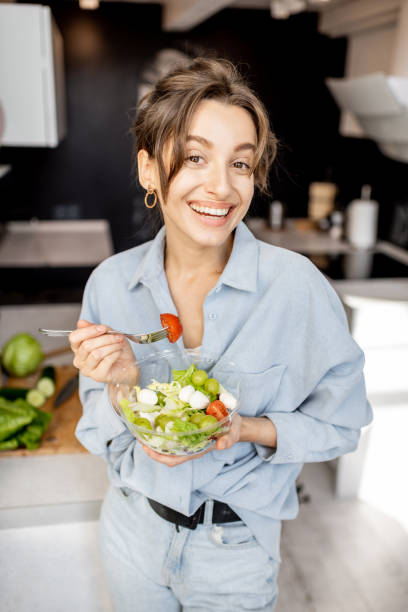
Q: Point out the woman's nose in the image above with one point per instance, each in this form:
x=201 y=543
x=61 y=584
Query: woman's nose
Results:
x=218 y=182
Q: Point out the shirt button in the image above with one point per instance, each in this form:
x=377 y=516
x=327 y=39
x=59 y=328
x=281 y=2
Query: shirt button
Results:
x=218 y=289
x=212 y=316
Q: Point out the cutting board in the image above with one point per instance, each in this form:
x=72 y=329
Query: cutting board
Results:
x=59 y=437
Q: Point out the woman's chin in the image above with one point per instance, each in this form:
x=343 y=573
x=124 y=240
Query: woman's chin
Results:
x=214 y=236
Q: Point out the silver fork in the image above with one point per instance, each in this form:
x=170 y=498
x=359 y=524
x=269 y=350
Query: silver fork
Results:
x=155 y=336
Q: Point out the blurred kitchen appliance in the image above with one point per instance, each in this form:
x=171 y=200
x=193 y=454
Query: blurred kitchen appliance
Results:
x=32 y=91
x=399 y=227
x=362 y=216
x=373 y=96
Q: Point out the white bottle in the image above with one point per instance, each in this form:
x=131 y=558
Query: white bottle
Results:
x=336 y=229
x=362 y=217
x=276 y=215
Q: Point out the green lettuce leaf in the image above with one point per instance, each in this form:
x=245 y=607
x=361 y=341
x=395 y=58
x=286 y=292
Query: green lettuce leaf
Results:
x=13 y=416
x=184 y=376
x=127 y=410
x=31 y=436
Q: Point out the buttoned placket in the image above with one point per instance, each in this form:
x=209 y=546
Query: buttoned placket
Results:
x=211 y=341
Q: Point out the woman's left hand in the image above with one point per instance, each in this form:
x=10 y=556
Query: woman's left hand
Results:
x=223 y=443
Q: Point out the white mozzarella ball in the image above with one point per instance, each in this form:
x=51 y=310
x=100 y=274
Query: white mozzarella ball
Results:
x=228 y=400
x=186 y=393
x=150 y=416
x=199 y=400
x=147 y=396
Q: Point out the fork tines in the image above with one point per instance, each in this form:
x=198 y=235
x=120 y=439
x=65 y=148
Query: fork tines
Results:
x=159 y=335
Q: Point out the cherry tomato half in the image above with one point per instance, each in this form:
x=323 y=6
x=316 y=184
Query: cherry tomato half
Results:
x=217 y=409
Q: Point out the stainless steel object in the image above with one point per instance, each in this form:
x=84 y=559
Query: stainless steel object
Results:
x=155 y=336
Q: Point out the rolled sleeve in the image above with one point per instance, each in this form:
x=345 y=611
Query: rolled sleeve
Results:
x=266 y=453
x=328 y=423
x=99 y=424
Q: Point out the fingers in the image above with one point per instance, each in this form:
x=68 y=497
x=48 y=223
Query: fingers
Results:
x=95 y=351
x=232 y=436
x=82 y=323
x=169 y=460
x=224 y=442
x=96 y=348
x=101 y=372
x=90 y=357
x=85 y=333
x=173 y=460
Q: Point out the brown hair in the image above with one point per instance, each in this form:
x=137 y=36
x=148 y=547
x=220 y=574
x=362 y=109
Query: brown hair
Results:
x=166 y=112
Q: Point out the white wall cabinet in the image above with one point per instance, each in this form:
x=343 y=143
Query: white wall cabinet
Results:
x=32 y=92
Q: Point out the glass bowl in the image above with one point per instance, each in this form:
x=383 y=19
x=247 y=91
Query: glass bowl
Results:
x=159 y=366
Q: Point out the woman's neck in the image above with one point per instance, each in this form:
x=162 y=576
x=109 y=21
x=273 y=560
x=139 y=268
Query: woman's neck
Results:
x=190 y=260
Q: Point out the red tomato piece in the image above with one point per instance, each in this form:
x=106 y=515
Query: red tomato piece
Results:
x=174 y=326
x=217 y=409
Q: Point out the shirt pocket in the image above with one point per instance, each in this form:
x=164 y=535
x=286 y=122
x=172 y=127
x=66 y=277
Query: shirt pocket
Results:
x=258 y=391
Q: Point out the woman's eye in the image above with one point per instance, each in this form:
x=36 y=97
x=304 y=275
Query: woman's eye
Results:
x=241 y=165
x=194 y=158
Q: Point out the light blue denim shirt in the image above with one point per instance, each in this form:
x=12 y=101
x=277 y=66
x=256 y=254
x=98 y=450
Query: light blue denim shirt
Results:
x=277 y=317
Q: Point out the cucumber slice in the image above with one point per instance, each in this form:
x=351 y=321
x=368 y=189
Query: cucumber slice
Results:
x=46 y=386
x=13 y=393
x=35 y=398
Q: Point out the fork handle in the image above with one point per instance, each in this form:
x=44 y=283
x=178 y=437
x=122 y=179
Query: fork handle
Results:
x=55 y=332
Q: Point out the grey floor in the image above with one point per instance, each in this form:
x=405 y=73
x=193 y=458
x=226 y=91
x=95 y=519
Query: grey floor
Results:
x=337 y=556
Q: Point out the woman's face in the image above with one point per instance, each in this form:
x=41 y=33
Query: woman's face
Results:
x=212 y=192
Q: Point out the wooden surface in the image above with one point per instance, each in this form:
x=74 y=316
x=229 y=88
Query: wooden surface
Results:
x=59 y=437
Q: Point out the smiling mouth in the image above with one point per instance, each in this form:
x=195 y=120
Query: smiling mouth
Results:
x=211 y=212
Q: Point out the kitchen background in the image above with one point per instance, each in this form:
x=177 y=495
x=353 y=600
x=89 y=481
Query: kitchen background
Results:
x=106 y=53
x=348 y=549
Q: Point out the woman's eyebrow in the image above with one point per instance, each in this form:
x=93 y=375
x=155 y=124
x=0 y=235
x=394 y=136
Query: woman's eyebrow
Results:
x=241 y=147
x=244 y=146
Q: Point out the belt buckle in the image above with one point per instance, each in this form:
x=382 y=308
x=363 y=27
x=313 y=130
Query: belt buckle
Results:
x=195 y=518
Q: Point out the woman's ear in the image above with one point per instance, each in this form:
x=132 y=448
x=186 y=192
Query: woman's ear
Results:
x=146 y=170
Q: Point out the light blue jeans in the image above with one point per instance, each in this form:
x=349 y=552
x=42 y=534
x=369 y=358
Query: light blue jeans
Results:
x=152 y=567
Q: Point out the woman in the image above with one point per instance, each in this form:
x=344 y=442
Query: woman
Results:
x=203 y=143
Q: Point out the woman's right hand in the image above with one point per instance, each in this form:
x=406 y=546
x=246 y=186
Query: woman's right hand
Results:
x=101 y=356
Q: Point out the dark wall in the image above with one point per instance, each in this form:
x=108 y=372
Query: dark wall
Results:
x=89 y=173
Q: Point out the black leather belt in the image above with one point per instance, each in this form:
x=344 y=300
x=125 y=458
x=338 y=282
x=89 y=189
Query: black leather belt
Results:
x=222 y=513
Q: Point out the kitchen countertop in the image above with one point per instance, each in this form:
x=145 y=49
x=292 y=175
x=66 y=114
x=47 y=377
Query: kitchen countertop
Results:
x=55 y=243
x=313 y=242
x=59 y=482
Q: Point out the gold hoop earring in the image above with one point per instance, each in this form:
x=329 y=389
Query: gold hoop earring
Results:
x=150 y=191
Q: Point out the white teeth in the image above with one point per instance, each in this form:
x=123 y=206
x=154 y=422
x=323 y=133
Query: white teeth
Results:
x=215 y=212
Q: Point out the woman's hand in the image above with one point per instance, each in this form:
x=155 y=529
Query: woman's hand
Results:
x=226 y=441
x=101 y=356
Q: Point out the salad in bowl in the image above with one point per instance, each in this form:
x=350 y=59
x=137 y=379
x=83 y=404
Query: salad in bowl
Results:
x=176 y=401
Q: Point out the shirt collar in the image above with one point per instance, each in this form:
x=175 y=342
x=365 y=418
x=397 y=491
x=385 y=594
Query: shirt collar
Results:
x=151 y=266
x=241 y=271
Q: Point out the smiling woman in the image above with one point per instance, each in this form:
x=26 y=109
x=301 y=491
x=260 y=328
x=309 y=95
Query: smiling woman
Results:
x=213 y=189
x=165 y=115
x=205 y=535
